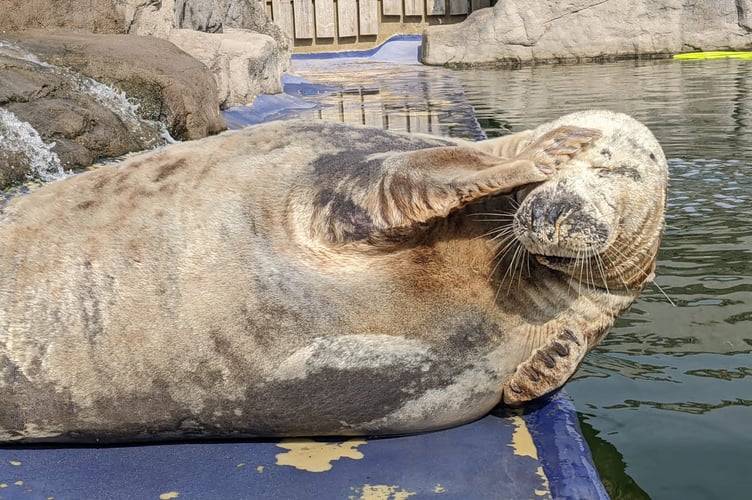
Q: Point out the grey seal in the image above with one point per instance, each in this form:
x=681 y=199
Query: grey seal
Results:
x=312 y=278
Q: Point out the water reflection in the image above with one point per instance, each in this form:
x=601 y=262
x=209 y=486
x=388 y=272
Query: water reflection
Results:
x=684 y=406
x=400 y=97
x=697 y=110
x=610 y=465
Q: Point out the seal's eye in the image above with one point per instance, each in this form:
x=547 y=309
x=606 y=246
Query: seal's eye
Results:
x=622 y=170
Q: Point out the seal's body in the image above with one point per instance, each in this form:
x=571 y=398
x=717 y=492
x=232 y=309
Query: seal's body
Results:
x=300 y=278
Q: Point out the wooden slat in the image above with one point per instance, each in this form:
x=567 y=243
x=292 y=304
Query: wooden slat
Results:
x=457 y=7
x=303 y=18
x=282 y=15
x=330 y=113
x=479 y=4
x=413 y=7
x=324 y=18
x=419 y=123
x=371 y=104
x=397 y=121
x=391 y=7
x=352 y=111
x=347 y=17
x=435 y=7
x=369 y=17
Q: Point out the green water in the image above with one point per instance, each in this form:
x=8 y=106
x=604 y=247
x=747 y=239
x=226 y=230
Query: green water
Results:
x=666 y=401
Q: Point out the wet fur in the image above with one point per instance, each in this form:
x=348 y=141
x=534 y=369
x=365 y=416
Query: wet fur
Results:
x=302 y=278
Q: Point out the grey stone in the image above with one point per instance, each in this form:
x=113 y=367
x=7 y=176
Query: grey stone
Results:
x=161 y=18
x=94 y=16
x=517 y=31
x=169 y=85
x=245 y=61
x=244 y=64
x=250 y=15
x=198 y=15
x=54 y=118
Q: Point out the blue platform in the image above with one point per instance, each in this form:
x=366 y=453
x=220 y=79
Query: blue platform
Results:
x=538 y=454
x=535 y=453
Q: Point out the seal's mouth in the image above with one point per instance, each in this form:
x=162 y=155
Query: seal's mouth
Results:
x=555 y=261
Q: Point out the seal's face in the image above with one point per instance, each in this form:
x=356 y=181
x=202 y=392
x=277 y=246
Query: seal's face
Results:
x=592 y=233
x=600 y=218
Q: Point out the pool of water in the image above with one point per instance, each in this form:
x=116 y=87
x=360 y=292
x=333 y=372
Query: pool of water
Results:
x=666 y=400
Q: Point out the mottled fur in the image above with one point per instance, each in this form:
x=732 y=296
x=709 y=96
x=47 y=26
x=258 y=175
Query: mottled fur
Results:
x=302 y=278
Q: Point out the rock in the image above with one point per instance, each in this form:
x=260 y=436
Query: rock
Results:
x=94 y=16
x=517 y=31
x=198 y=15
x=250 y=15
x=169 y=85
x=23 y=153
x=744 y=9
x=212 y=16
x=244 y=64
x=53 y=118
x=72 y=120
x=170 y=20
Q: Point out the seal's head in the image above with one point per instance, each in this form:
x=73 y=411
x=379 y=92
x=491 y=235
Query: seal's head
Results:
x=600 y=219
x=592 y=233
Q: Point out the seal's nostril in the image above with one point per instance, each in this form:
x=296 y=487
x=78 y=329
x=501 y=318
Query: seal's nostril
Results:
x=555 y=211
x=536 y=214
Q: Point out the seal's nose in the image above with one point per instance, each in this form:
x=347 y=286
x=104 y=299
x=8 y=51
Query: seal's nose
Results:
x=540 y=214
x=555 y=210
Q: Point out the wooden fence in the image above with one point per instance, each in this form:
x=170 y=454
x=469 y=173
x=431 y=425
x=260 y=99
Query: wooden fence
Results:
x=343 y=22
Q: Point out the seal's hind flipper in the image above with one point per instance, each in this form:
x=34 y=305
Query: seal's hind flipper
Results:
x=548 y=368
x=421 y=185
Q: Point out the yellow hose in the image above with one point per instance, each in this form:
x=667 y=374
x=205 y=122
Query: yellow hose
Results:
x=714 y=55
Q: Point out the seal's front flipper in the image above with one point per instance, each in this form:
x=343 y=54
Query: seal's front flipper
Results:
x=548 y=368
x=418 y=186
x=511 y=145
x=392 y=195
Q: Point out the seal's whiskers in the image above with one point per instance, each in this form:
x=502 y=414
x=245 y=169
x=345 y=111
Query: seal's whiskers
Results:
x=515 y=261
x=615 y=267
x=664 y=293
x=602 y=271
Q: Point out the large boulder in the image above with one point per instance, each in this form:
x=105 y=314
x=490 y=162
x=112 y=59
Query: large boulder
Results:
x=246 y=52
x=519 y=31
x=52 y=118
x=94 y=16
x=167 y=84
x=57 y=112
x=251 y=15
x=252 y=64
x=212 y=16
x=244 y=64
